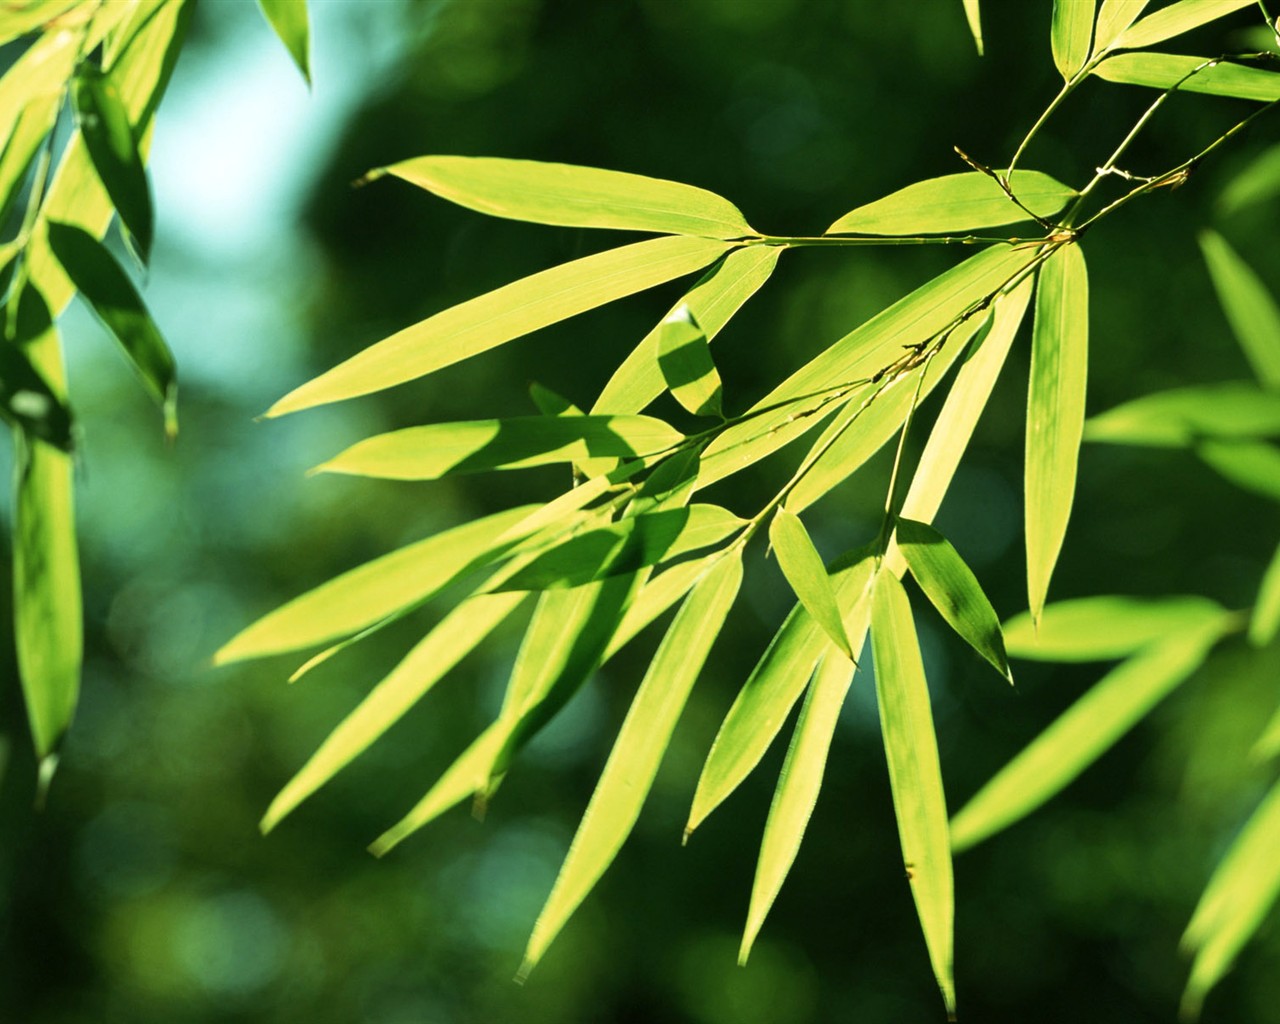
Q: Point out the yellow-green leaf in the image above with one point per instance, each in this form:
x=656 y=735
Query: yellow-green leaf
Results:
x=1167 y=70
x=804 y=569
x=1071 y=34
x=1175 y=19
x=1105 y=628
x=1267 y=744
x=19 y=19
x=26 y=398
x=581 y=197
x=915 y=775
x=657 y=595
x=288 y=19
x=1253 y=465
x=1251 y=311
x=1055 y=412
x=500 y=316
x=1181 y=417
x=1265 y=621
x=973 y=15
x=684 y=358
x=1114 y=17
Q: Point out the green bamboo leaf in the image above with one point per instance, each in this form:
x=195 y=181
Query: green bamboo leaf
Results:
x=915 y=776
x=803 y=567
x=1253 y=465
x=1113 y=19
x=684 y=358
x=1257 y=183
x=113 y=148
x=1251 y=311
x=434 y=451
x=1182 y=417
x=1267 y=745
x=1167 y=70
x=633 y=763
x=1084 y=732
x=288 y=19
x=368 y=593
x=1055 y=411
x=712 y=301
x=954 y=590
x=1071 y=34
x=549 y=403
x=956 y=202
x=1265 y=621
x=797 y=792
x=580 y=197
x=657 y=595
x=1105 y=628
x=973 y=14
x=112 y=296
x=456 y=635
x=26 y=398
x=500 y=316
x=1174 y=20
x=17 y=20
x=32 y=126
x=1241 y=892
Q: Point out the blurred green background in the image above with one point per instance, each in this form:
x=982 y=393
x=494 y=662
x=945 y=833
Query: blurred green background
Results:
x=144 y=893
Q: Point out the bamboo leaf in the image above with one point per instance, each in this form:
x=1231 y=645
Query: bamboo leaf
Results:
x=803 y=567
x=118 y=305
x=1114 y=17
x=684 y=358
x=1251 y=311
x=31 y=16
x=657 y=595
x=956 y=202
x=289 y=20
x=1265 y=621
x=1253 y=465
x=915 y=776
x=1267 y=744
x=549 y=403
x=1181 y=417
x=954 y=590
x=1105 y=628
x=1174 y=20
x=797 y=792
x=580 y=197
x=1167 y=70
x=500 y=316
x=1257 y=183
x=973 y=14
x=1071 y=34
x=1055 y=412
x=633 y=763
x=1083 y=733
x=26 y=398
x=34 y=122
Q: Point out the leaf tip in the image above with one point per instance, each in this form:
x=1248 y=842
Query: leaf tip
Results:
x=370 y=176
x=44 y=779
x=526 y=968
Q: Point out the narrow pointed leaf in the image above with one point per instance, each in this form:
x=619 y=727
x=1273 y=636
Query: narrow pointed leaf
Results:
x=1253 y=465
x=581 y=197
x=1251 y=311
x=1105 y=628
x=1071 y=34
x=500 y=316
x=686 y=364
x=112 y=296
x=956 y=202
x=26 y=398
x=633 y=763
x=1113 y=18
x=1265 y=621
x=973 y=15
x=915 y=775
x=1175 y=19
x=797 y=791
x=804 y=569
x=657 y=596
x=1083 y=733
x=549 y=403
x=1182 y=417
x=1055 y=412
x=1167 y=70
x=28 y=132
x=289 y=20
x=953 y=589
x=18 y=20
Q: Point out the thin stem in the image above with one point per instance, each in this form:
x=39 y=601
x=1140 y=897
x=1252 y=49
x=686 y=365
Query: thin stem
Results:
x=800 y=241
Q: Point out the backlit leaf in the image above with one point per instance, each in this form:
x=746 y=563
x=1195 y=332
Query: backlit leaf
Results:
x=1267 y=745
x=1166 y=70
x=26 y=398
x=288 y=19
x=1071 y=34
x=1179 y=418
x=658 y=594
x=1251 y=311
x=1114 y=17
x=1265 y=621
x=1174 y=20
x=973 y=14
x=804 y=569
x=17 y=20
x=1253 y=465
x=1105 y=628
x=33 y=123
x=686 y=364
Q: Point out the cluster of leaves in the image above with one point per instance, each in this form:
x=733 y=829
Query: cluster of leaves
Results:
x=628 y=542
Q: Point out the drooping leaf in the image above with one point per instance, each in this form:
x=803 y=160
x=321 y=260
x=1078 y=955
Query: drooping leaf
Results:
x=509 y=312
x=915 y=776
x=684 y=357
x=1265 y=621
x=797 y=792
x=804 y=569
x=658 y=594
x=1167 y=70
x=289 y=20
x=1257 y=183
x=26 y=398
x=112 y=296
x=1181 y=417
x=973 y=14
x=1251 y=311
x=1105 y=628
x=1114 y=18
x=954 y=590
x=1173 y=20
x=1083 y=733
x=633 y=763
x=580 y=197
x=1253 y=465
x=1055 y=411
x=1071 y=34
x=34 y=122
x=956 y=202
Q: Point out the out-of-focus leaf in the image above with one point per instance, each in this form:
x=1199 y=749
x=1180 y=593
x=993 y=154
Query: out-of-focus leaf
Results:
x=1071 y=34
x=17 y=19
x=1250 y=309
x=439 y=651
x=1267 y=745
x=1166 y=70
x=1174 y=20
x=26 y=397
x=804 y=569
x=1105 y=628
x=797 y=792
x=34 y=122
x=915 y=776
x=580 y=197
x=509 y=312
x=686 y=364
x=288 y=19
x=624 y=784
x=1257 y=183
x=1084 y=732
x=1113 y=19
x=1181 y=417
x=712 y=301
x=1253 y=465
x=1055 y=412
x=112 y=296
x=1241 y=891
x=113 y=148
x=956 y=202
x=954 y=590
x=1265 y=621
x=973 y=14
x=430 y=452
